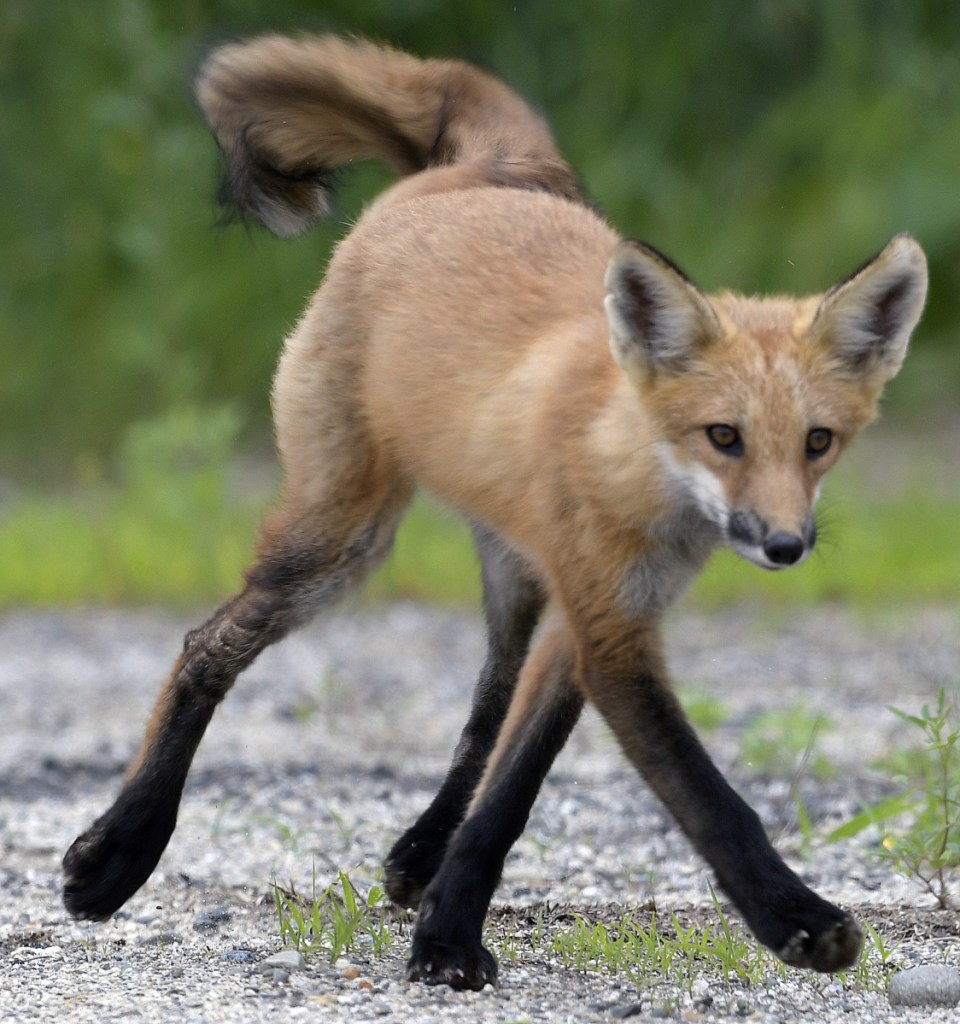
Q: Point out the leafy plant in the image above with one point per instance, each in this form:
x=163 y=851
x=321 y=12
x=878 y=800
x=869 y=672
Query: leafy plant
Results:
x=777 y=741
x=921 y=823
x=335 y=922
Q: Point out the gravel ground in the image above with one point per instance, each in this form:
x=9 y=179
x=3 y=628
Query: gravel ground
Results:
x=336 y=739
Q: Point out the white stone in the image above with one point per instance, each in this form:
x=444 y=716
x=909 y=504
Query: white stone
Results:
x=928 y=985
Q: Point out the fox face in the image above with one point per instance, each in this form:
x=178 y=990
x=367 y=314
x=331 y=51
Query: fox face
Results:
x=753 y=400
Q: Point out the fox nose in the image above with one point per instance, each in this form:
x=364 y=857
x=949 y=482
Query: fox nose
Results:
x=783 y=548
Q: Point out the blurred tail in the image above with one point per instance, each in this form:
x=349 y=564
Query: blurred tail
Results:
x=288 y=112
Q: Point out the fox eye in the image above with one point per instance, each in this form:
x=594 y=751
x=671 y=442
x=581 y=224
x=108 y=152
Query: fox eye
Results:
x=818 y=442
x=725 y=439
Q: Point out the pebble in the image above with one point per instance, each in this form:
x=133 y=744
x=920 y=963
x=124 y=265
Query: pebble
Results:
x=239 y=956
x=286 y=960
x=928 y=985
x=30 y=954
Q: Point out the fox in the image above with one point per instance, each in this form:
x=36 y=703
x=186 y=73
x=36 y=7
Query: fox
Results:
x=602 y=425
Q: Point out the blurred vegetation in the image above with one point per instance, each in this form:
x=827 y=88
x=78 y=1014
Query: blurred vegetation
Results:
x=142 y=540
x=765 y=145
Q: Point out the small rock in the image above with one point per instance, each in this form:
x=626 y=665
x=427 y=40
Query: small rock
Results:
x=30 y=954
x=701 y=994
x=279 y=976
x=626 y=1010
x=929 y=985
x=348 y=970
x=285 y=960
x=239 y=956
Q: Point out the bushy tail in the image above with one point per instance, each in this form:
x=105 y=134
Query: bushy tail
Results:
x=288 y=112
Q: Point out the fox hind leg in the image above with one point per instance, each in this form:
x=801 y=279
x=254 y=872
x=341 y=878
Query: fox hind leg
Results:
x=307 y=561
x=513 y=601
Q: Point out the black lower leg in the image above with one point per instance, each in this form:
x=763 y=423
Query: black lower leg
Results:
x=115 y=856
x=798 y=925
x=513 y=602
x=447 y=947
x=109 y=862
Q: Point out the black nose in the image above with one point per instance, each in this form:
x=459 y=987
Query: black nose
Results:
x=783 y=548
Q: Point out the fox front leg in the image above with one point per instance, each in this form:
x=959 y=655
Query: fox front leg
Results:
x=447 y=947
x=632 y=693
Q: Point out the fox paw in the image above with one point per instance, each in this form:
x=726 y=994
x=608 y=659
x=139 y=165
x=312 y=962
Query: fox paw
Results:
x=833 y=949
x=411 y=864
x=460 y=967
x=106 y=865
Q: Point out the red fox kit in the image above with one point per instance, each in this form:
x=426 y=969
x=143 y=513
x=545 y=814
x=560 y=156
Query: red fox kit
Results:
x=601 y=423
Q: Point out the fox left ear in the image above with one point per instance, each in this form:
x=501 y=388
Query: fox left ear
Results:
x=659 y=319
x=868 y=318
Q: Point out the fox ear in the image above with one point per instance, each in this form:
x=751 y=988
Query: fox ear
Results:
x=658 y=318
x=868 y=318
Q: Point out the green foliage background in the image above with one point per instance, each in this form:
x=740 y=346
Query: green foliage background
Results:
x=766 y=146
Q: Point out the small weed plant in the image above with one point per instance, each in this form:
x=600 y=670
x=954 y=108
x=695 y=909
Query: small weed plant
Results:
x=661 y=950
x=655 y=951
x=779 y=741
x=671 y=952
x=338 y=920
x=920 y=824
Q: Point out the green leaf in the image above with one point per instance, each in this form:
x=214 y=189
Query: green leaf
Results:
x=874 y=815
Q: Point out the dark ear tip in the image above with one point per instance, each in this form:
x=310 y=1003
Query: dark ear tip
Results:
x=631 y=246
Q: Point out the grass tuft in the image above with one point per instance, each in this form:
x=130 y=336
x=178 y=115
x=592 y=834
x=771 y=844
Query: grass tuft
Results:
x=338 y=920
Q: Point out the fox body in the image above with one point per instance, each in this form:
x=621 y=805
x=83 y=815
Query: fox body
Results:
x=601 y=423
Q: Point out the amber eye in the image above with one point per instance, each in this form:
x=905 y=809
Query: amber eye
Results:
x=725 y=439
x=818 y=442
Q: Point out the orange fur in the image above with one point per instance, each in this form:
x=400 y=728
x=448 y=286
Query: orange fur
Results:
x=460 y=340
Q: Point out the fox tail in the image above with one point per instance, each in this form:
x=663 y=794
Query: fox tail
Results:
x=289 y=112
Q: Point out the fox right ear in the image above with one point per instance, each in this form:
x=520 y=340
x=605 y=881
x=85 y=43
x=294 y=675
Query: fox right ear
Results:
x=868 y=318
x=659 y=319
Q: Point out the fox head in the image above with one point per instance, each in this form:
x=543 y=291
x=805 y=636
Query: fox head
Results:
x=753 y=400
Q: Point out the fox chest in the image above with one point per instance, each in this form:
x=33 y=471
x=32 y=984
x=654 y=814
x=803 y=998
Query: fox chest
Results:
x=653 y=580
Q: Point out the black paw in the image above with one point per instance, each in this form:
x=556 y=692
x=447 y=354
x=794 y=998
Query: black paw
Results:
x=106 y=865
x=411 y=864
x=833 y=948
x=461 y=967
